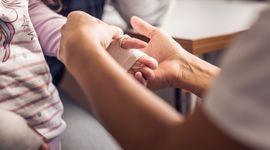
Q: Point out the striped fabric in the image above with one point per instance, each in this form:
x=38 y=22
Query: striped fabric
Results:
x=25 y=82
x=93 y=7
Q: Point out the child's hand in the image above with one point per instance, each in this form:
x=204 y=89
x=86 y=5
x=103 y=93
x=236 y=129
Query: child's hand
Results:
x=124 y=50
x=143 y=69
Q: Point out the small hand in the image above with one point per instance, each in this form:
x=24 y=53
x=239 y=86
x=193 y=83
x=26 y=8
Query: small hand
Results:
x=145 y=64
x=143 y=69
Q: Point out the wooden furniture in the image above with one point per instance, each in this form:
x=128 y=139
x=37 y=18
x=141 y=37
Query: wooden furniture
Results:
x=206 y=26
x=202 y=26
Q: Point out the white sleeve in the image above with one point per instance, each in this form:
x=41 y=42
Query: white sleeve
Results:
x=151 y=11
x=239 y=101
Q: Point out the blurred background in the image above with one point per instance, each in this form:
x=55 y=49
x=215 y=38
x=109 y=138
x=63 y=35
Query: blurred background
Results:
x=205 y=28
x=208 y=26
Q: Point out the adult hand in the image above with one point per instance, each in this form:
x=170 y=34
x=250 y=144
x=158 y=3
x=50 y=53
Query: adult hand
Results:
x=84 y=32
x=165 y=50
x=177 y=67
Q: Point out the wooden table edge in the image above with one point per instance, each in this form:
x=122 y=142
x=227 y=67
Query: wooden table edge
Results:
x=209 y=44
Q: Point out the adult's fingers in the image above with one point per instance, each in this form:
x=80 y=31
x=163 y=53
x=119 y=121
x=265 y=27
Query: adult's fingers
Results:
x=115 y=31
x=141 y=26
x=129 y=43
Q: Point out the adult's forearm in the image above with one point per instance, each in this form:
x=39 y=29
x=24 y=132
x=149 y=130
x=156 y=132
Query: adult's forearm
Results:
x=124 y=107
x=197 y=75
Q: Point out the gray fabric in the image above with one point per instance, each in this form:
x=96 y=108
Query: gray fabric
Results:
x=239 y=101
x=153 y=11
x=83 y=131
x=15 y=134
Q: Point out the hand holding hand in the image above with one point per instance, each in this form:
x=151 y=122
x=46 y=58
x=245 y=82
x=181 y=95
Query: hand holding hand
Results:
x=177 y=67
x=165 y=50
x=84 y=32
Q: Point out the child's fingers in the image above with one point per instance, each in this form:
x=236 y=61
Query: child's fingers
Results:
x=138 y=76
x=145 y=66
x=149 y=62
x=147 y=73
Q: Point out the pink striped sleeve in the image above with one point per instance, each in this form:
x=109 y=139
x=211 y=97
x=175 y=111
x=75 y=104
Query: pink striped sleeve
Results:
x=47 y=25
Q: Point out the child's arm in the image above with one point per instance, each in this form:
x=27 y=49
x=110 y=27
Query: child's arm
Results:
x=47 y=25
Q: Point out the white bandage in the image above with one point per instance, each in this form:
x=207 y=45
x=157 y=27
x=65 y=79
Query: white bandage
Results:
x=125 y=57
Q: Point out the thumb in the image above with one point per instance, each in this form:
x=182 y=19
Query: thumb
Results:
x=141 y=26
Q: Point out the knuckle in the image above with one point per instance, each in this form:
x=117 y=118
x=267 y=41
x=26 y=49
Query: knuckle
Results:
x=75 y=14
x=63 y=28
x=153 y=32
